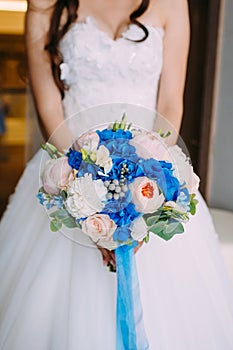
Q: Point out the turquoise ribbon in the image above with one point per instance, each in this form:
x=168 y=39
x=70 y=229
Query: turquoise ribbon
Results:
x=130 y=333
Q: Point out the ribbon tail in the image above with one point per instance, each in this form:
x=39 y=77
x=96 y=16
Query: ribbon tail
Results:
x=130 y=334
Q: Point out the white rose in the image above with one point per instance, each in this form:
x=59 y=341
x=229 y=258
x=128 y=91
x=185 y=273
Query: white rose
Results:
x=56 y=175
x=183 y=170
x=138 y=229
x=100 y=229
x=88 y=141
x=149 y=145
x=85 y=196
x=103 y=159
x=145 y=195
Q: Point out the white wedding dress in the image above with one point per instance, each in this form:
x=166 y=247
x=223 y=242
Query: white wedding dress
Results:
x=56 y=294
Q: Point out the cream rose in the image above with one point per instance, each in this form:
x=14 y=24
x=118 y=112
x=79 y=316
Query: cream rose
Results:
x=100 y=229
x=85 y=196
x=149 y=145
x=56 y=175
x=88 y=141
x=145 y=195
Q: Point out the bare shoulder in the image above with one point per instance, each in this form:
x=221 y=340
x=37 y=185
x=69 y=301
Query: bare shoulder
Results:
x=166 y=11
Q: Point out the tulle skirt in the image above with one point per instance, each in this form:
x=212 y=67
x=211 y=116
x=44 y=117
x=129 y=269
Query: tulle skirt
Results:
x=56 y=294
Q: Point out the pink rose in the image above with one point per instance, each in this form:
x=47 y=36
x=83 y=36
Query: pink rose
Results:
x=145 y=195
x=88 y=141
x=149 y=145
x=56 y=175
x=100 y=229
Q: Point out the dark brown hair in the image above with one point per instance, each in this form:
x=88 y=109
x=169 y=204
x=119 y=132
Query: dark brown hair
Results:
x=56 y=32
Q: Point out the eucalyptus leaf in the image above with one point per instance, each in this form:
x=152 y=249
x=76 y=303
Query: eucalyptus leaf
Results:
x=152 y=220
x=165 y=236
x=55 y=225
x=69 y=222
x=174 y=228
x=60 y=214
x=158 y=227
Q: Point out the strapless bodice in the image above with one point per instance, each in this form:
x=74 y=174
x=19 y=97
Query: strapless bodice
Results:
x=100 y=70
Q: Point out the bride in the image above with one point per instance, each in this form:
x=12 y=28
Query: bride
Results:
x=56 y=294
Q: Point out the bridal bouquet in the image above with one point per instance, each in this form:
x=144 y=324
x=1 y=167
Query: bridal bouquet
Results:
x=118 y=185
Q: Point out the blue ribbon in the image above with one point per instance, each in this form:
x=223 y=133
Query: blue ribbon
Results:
x=130 y=333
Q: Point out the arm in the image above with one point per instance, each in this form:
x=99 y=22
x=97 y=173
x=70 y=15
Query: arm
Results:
x=176 y=46
x=46 y=94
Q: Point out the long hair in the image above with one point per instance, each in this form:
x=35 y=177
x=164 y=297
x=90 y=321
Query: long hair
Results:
x=56 y=32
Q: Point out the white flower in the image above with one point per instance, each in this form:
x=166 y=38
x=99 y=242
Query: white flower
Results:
x=138 y=229
x=145 y=195
x=56 y=175
x=175 y=206
x=103 y=159
x=88 y=141
x=183 y=170
x=100 y=229
x=85 y=196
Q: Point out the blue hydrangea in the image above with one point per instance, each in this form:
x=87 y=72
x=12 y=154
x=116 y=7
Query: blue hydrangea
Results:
x=90 y=169
x=74 y=159
x=121 y=234
x=109 y=134
x=125 y=216
x=121 y=148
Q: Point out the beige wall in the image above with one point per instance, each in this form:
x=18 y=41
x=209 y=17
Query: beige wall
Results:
x=11 y=22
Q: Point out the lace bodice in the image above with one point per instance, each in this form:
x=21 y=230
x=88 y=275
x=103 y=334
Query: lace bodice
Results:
x=101 y=70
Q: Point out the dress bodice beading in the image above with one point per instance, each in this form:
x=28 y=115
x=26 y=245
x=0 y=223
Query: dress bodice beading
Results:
x=100 y=70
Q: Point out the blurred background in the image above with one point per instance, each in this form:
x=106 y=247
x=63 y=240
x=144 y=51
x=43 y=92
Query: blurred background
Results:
x=208 y=116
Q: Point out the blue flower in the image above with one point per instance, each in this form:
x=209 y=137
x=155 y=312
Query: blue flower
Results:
x=109 y=134
x=125 y=216
x=121 y=148
x=162 y=173
x=121 y=234
x=74 y=159
x=184 y=198
x=134 y=169
x=90 y=169
x=41 y=198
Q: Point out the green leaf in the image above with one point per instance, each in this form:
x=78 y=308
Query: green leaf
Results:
x=69 y=222
x=59 y=214
x=116 y=126
x=192 y=208
x=165 y=236
x=55 y=225
x=158 y=227
x=174 y=228
x=123 y=122
x=150 y=221
x=63 y=194
x=51 y=150
x=147 y=238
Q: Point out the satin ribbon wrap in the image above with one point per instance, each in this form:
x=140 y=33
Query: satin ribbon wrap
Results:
x=130 y=333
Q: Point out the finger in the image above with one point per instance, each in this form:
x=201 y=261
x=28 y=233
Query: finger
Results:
x=106 y=255
x=138 y=247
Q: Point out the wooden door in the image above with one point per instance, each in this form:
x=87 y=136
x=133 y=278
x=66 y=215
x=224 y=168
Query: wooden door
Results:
x=198 y=100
